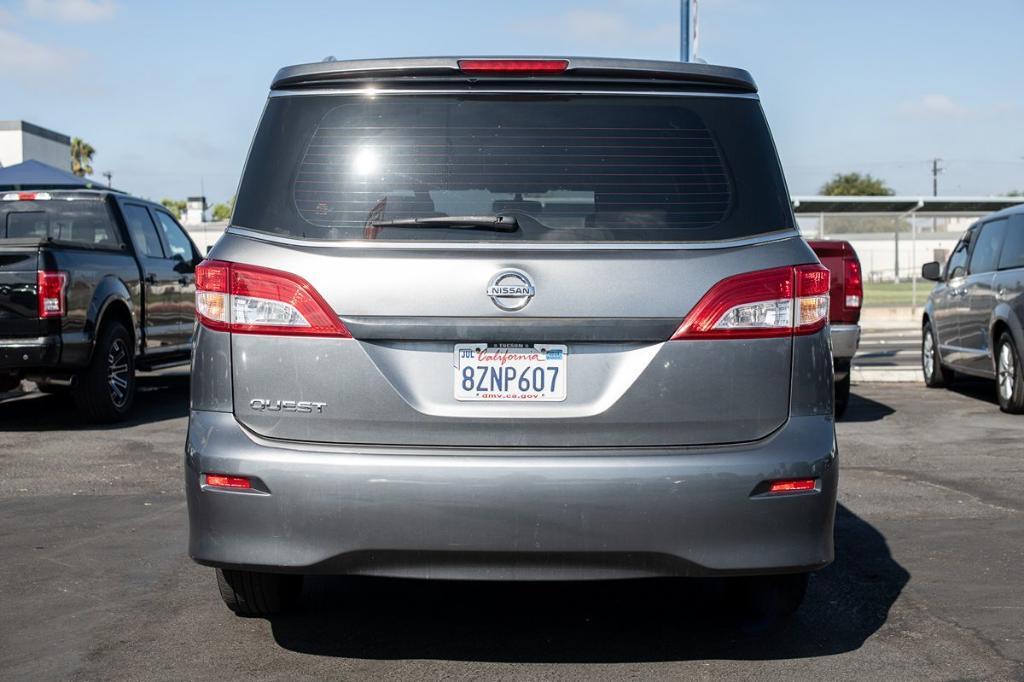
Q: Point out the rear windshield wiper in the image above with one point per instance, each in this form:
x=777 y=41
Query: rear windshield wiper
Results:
x=498 y=223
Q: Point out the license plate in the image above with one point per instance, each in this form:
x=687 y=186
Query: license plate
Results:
x=510 y=373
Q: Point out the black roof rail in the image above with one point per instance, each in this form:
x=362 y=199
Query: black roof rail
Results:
x=693 y=73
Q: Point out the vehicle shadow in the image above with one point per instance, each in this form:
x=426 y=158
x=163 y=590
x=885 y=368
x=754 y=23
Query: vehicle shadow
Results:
x=621 y=621
x=979 y=389
x=861 y=409
x=159 y=396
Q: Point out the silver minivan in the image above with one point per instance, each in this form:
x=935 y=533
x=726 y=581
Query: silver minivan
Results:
x=511 y=319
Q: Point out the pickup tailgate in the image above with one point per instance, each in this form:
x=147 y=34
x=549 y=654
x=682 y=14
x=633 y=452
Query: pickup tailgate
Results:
x=19 y=314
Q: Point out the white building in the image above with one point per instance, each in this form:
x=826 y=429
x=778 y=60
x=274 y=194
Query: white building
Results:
x=23 y=141
x=196 y=211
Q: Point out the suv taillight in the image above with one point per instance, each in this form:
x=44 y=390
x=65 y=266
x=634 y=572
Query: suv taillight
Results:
x=853 y=285
x=248 y=299
x=51 y=298
x=761 y=304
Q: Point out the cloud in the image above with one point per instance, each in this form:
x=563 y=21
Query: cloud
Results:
x=36 y=65
x=71 y=11
x=600 y=29
x=933 y=104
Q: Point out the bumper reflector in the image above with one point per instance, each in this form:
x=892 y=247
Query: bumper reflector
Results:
x=224 y=481
x=795 y=485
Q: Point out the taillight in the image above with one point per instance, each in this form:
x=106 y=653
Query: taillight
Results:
x=523 y=67
x=51 y=293
x=248 y=299
x=26 y=196
x=853 y=285
x=761 y=304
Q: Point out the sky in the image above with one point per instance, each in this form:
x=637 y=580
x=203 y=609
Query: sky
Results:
x=170 y=92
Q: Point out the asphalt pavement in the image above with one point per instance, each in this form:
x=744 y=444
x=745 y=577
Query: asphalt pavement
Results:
x=927 y=585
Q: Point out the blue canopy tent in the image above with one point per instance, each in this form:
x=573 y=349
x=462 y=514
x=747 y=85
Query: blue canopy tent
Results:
x=36 y=175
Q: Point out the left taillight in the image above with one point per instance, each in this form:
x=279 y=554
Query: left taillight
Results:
x=762 y=304
x=248 y=299
x=51 y=286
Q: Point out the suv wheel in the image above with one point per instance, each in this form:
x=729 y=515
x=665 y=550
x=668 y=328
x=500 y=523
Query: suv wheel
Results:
x=1008 y=376
x=249 y=593
x=105 y=390
x=773 y=598
x=935 y=375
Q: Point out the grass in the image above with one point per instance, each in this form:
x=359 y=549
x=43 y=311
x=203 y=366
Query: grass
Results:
x=892 y=294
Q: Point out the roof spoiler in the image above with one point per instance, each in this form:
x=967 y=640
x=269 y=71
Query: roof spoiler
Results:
x=324 y=73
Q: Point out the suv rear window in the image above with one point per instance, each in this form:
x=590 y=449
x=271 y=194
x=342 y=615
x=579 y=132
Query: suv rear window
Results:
x=569 y=167
x=85 y=222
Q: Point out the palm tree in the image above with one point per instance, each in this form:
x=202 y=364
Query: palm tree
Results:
x=81 y=157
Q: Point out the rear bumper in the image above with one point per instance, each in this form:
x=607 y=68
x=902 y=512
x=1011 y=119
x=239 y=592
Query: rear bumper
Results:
x=29 y=352
x=583 y=514
x=845 y=339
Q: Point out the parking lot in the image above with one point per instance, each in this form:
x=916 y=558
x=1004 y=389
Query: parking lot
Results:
x=927 y=582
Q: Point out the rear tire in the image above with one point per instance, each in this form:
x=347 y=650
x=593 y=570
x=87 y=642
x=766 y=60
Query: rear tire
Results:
x=773 y=598
x=935 y=375
x=843 y=393
x=1009 y=378
x=105 y=390
x=249 y=593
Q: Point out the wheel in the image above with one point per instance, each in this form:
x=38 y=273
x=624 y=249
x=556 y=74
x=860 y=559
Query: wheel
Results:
x=773 y=598
x=1009 y=378
x=105 y=390
x=842 y=388
x=935 y=375
x=249 y=593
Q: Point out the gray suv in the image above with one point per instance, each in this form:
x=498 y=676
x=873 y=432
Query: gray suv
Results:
x=973 y=319
x=511 y=319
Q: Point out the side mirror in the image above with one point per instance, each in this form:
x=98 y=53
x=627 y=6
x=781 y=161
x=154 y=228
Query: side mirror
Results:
x=932 y=272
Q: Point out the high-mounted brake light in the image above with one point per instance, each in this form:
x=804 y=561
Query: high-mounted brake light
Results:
x=248 y=299
x=853 y=285
x=525 y=67
x=50 y=286
x=26 y=196
x=761 y=304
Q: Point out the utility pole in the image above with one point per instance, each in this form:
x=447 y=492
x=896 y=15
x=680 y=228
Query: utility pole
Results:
x=936 y=169
x=109 y=176
x=687 y=30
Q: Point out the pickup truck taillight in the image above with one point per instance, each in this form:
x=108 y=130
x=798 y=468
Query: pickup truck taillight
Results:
x=248 y=299
x=762 y=304
x=853 y=285
x=51 y=287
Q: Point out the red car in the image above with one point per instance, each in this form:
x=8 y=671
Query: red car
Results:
x=847 y=296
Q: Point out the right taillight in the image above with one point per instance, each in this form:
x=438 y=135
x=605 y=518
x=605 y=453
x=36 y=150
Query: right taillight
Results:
x=853 y=285
x=51 y=295
x=761 y=304
x=248 y=299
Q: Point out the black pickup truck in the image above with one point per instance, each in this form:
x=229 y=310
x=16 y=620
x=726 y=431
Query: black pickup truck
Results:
x=93 y=285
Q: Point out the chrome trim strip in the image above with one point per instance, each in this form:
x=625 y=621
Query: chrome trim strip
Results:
x=37 y=342
x=514 y=246
x=494 y=91
x=961 y=349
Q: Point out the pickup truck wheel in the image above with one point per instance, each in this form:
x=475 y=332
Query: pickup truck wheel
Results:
x=1009 y=380
x=935 y=375
x=105 y=390
x=249 y=593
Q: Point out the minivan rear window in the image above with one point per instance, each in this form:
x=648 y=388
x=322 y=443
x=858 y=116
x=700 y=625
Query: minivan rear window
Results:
x=567 y=167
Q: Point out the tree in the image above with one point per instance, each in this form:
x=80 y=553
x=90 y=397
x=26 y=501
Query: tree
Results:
x=81 y=157
x=223 y=211
x=856 y=185
x=175 y=206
